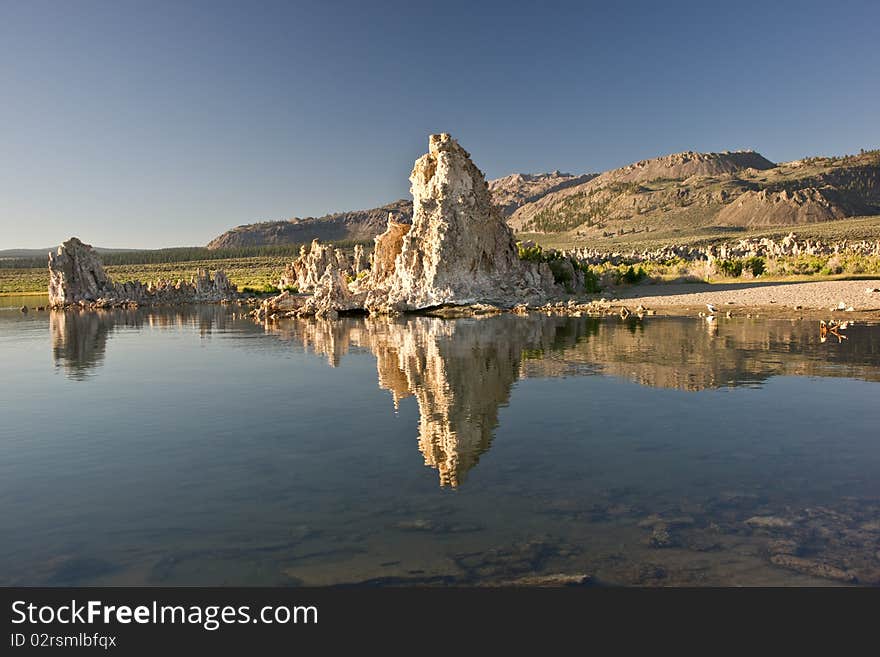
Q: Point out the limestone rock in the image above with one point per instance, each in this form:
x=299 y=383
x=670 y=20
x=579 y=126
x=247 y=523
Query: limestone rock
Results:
x=76 y=274
x=360 y=261
x=459 y=249
x=388 y=246
x=332 y=294
x=308 y=269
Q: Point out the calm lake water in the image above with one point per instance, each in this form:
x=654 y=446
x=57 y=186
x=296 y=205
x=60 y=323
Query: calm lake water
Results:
x=194 y=446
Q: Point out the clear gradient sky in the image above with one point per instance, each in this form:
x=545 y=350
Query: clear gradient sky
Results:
x=149 y=124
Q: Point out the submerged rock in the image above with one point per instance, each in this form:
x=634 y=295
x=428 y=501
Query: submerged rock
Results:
x=814 y=568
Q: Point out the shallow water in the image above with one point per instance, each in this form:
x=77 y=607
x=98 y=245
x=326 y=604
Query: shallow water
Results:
x=193 y=446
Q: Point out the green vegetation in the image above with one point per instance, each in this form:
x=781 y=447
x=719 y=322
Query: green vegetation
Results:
x=563 y=267
x=253 y=272
x=183 y=254
x=690 y=227
x=735 y=268
x=268 y=288
x=632 y=276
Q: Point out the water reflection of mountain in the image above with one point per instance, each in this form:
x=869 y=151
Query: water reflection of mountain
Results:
x=79 y=338
x=688 y=354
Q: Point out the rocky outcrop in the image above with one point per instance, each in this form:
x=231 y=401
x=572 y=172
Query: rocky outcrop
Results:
x=517 y=189
x=305 y=272
x=683 y=165
x=77 y=278
x=388 y=246
x=763 y=247
x=359 y=263
x=76 y=274
x=332 y=294
x=459 y=249
x=767 y=208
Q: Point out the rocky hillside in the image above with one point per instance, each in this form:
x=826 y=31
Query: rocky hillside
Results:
x=676 y=192
x=358 y=225
x=517 y=189
x=509 y=193
x=699 y=189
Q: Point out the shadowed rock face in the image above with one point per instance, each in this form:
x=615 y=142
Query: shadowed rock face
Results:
x=76 y=273
x=77 y=278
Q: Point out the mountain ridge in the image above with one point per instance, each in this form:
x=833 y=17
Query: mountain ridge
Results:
x=730 y=188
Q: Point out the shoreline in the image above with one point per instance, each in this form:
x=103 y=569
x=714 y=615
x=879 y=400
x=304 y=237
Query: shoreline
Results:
x=783 y=299
x=779 y=299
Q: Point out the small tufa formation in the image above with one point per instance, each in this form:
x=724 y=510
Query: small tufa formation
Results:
x=77 y=278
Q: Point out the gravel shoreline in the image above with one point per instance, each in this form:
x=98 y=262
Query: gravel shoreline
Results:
x=774 y=299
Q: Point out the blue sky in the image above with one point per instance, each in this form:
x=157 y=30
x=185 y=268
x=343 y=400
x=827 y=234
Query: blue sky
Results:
x=149 y=124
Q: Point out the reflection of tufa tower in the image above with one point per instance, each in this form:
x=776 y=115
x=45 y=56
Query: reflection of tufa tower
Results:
x=459 y=373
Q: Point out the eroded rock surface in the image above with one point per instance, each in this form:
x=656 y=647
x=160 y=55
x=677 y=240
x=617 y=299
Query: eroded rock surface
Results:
x=77 y=278
x=459 y=249
x=768 y=208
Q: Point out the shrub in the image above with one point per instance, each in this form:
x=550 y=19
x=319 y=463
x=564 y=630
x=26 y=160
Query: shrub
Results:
x=632 y=276
x=731 y=268
x=563 y=267
x=268 y=288
x=756 y=265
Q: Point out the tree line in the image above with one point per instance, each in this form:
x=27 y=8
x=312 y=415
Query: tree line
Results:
x=180 y=254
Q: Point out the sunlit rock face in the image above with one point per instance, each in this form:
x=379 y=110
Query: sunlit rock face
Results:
x=77 y=278
x=306 y=271
x=459 y=248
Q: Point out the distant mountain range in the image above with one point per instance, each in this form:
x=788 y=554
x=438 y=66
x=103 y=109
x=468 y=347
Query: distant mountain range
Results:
x=740 y=188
